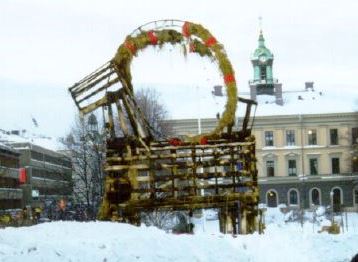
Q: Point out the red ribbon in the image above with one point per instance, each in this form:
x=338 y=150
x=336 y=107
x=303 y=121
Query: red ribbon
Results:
x=229 y=78
x=152 y=38
x=186 y=29
x=130 y=46
x=210 y=41
x=203 y=140
x=175 y=141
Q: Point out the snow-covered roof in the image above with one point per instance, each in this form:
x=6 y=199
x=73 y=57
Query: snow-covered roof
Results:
x=184 y=103
x=8 y=148
x=8 y=139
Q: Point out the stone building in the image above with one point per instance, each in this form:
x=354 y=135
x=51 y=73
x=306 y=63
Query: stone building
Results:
x=306 y=139
x=301 y=159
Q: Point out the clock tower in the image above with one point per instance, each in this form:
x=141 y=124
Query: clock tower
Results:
x=263 y=82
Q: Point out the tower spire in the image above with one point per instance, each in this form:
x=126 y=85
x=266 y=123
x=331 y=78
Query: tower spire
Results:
x=261 y=36
x=260 y=24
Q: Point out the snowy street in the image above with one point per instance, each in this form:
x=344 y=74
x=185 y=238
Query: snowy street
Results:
x=106 y=241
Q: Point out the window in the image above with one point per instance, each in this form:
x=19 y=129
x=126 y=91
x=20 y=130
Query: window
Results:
x=290 y=137
x=292 y=170
x=355 y=196
x=293 y=197
x=337 y=199
x=271 y=198
x=263 y=72
x=270 y=168
x=268 y=138
x=315 y=197
x=355 y=164
x=333 y=134
x=312 y=137
x=354 y=135
x=313 y=166
x=335 y=165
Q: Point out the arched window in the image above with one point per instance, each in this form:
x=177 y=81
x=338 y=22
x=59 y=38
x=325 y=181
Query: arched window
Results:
x=337 y=198
x=315 y=197
x=293 y=199
x=272 y=198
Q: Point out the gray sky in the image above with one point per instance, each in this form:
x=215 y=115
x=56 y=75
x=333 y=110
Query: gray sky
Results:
x=46 y=46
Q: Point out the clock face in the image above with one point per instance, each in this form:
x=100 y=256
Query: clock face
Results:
x=262 y=59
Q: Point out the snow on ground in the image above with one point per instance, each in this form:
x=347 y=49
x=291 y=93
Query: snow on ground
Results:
x=106 y=241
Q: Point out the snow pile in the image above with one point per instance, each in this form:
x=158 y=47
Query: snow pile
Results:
x=106 y=241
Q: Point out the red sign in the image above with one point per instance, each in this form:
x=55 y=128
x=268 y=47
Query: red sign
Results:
x=22 y=175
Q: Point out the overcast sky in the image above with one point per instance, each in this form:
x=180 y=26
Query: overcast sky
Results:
x=46 y=46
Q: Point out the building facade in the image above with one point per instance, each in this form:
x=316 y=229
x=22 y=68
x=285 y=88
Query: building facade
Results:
x=48 y=173
x=301 y=159
x=31 y=175
x=306 y=160
x=10 y=191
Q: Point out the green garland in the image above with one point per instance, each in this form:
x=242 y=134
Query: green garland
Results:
x=202 y=43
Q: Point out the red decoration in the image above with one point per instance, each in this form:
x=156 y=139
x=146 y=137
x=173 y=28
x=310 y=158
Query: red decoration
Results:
x=186 y=29
x=203 y=140
x=210 y=41
x=152 y=37
x=130 y=46
x=192 y=47
x=229 y=78
x=175 y=141
x=22 y=175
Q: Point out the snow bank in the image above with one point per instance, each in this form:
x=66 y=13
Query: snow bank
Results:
x=106 y=241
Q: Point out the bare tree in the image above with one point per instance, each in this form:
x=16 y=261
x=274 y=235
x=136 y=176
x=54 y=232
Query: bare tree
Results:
x=154 y=111
x=85 y=145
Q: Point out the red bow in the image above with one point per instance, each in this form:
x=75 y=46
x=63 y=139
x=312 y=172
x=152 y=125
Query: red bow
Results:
x=152 y=38
x=203 y=140
x=210 y=41
x=175 y=141
x=186 y=29
x=229 y=78
x=130 y=46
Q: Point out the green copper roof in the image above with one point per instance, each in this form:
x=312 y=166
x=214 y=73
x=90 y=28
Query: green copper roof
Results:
x=262 y=50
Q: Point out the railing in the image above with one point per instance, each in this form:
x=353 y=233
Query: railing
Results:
x=264 y=81
x=10 y=193
x=9 y=172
